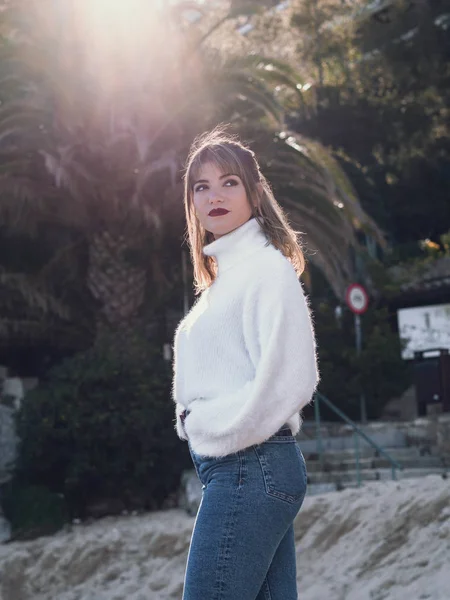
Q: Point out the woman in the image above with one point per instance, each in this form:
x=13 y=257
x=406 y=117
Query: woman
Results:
x=244 y=366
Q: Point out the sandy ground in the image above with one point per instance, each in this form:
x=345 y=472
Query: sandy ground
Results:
x=388 y=540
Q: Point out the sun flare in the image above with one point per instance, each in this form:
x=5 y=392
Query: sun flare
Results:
x=118 y=22
x=118 y=35
x=118 y=13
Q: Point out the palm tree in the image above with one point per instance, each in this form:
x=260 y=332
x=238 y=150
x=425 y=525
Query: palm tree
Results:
x=95 y=124
x=93 y=137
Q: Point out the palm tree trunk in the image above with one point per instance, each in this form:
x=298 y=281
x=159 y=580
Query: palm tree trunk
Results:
x=117 y=281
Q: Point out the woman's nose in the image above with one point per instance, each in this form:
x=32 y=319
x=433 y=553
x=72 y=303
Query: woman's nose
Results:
x=214 y=197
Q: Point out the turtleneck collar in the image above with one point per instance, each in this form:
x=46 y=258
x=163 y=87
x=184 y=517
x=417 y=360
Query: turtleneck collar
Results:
x=236 y=245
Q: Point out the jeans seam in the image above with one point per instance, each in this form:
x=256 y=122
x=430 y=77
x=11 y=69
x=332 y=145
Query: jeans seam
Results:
x=242 y=469
x=266 y=587
x=239 y=454
x=304 y=467
x=224 y=548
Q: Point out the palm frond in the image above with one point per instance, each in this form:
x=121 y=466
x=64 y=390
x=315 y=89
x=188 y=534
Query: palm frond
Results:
x=345 y=193
x=26 y=195
x=251 y=91
x=33 y=295
x=268 y=63
x=317 y=196
x=89 y=146
x=17 y=332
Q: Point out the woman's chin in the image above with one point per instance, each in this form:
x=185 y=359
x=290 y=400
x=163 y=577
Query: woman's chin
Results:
x=218 y=231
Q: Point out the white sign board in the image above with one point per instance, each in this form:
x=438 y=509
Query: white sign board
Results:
x=424 y=327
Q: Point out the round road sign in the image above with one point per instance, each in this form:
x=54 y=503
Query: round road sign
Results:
x=357 y=298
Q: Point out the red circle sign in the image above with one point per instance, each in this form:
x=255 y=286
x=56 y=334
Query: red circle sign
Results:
x=357 y=298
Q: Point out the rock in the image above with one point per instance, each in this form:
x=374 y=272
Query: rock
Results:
x=13 y=391
x=104 y=507
x=8 y=443
x=191 y=492
x=443 y=434
x=5 y=529
x=8 y=453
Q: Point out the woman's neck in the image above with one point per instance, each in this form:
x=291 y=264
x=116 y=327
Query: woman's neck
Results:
x=233 y=247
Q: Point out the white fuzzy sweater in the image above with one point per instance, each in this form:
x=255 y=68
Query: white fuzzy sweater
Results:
x=244 y=356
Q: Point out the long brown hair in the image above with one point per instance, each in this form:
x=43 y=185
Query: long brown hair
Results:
x=229 y=155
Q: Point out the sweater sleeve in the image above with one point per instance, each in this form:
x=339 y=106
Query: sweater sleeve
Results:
x=179 y=408
x=276 y=315
x=176 y=385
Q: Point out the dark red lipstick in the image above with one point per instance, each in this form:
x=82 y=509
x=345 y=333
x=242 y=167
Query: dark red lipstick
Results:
x=218 y=212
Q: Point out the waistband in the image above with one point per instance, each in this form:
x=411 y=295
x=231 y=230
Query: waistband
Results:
x=284 y=431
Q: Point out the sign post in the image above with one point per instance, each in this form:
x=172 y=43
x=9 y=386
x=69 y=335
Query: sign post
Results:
x=358 y=301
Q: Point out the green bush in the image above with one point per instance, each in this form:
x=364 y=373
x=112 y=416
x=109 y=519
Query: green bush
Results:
x=100 y=431
x=32 y=510
x=379 y=372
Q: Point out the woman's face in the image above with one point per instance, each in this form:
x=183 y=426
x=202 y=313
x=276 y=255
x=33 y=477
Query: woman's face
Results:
x=220 y=201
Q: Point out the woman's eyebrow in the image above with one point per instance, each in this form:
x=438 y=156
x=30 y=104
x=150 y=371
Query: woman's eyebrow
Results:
x=221 y=177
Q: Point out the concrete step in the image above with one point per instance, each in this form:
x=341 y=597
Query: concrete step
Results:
x=420 y=462
x=323 y=488
x=391 y=438
x=413 y=473
x=331 y=464
x=314 y=489
x=344 y=477
x=407 y=474
x=399 y=454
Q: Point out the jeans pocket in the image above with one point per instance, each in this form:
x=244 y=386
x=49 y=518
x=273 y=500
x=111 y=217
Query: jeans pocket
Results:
x=283 y=470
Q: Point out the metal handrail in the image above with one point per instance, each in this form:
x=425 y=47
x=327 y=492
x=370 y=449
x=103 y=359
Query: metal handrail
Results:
x=356 y=431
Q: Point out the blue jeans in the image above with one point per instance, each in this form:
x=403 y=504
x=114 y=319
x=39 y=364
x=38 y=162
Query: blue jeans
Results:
x=242 y=546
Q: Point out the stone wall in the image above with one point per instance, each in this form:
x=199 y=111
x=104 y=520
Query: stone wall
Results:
x=430 y=433
x=8 y=452
x=433 y=432
x=8 y=442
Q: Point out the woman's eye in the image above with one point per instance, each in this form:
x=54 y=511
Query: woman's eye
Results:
x=231 y=182
x=200 y=188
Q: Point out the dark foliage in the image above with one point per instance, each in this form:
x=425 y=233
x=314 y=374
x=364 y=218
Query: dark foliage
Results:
x=383 y=92
x=379 y=372
x=32 y=510
x=100 y=431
